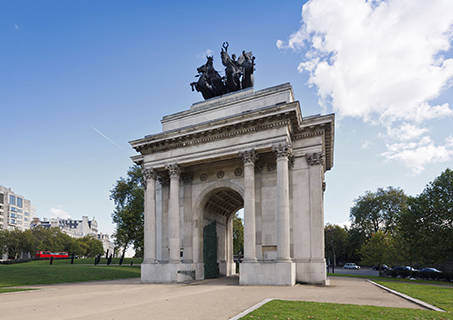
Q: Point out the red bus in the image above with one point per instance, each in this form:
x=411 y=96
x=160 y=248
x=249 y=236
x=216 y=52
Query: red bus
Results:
x=48 y=254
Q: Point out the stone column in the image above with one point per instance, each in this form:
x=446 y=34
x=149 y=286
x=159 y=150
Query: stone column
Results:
x=173 y=213
x=283 y=151
x=249 y=157
x=150 y=216
x=315 y=161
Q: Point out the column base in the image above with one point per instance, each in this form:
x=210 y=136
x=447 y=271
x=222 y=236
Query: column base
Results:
x=267 y=273
x=168 y=272
x=312 y=272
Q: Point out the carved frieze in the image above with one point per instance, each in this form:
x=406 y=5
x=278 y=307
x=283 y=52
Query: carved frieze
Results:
x=204 y=177
x=238 y=172
x=249 y=156
x=220 y=174
x=315 y=158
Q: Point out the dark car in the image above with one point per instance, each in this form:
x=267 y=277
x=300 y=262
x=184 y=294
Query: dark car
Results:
x=404 y=269
x=384 y=267
x=430 y=270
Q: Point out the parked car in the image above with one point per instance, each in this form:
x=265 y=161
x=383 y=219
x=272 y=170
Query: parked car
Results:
x=351 y=266
x=384 y=267
x=404 y=268
x=430 y=270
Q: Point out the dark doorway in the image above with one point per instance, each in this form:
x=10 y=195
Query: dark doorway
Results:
x=210 y=251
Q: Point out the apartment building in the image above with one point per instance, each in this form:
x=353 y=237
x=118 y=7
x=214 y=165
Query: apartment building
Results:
x=15 y=210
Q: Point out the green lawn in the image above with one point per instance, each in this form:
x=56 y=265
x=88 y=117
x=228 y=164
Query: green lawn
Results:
x=437 y=296
x=41 y=272
x=440 y=297
x=377 y=278
x=278 y=309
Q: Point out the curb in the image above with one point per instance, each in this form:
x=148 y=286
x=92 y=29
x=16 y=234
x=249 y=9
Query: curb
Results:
x=404 y=296
x=256 y=306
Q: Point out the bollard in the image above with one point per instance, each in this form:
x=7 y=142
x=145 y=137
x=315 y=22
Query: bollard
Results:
x=51 y=260
x=72 y=258
x=132 y=263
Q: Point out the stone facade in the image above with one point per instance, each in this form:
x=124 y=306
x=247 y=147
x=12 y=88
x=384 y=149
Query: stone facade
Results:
x=15 y=210
x=250 y=150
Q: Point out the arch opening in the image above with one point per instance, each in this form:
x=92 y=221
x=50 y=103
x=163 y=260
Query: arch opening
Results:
x=218 y=213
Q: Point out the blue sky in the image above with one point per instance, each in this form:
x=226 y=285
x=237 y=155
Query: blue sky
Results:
x=80 y=79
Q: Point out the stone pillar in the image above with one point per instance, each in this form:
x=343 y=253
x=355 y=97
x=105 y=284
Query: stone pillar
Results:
x=249 y=157
x=173 y=213
x=315 y=162
x=283 y=151
x=150 y=217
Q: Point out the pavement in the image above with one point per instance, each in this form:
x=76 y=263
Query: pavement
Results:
x=207 y=299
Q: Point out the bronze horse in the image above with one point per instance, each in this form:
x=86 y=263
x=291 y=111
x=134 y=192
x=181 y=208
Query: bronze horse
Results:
x=210 y=83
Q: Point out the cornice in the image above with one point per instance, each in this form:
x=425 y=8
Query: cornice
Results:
x=210 y=136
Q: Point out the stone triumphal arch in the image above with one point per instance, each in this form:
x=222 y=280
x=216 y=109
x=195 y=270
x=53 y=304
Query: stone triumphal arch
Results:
x=251 y=150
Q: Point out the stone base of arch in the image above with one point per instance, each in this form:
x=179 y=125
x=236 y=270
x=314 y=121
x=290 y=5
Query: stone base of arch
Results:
x=168 y=272
x=267 y=274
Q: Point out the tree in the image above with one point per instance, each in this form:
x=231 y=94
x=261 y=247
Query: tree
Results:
x=238 y=235
x=90 y=246
x=128 y=195
x=378 y=249
x=336 y=237
x=427 y=223
x=377 y=211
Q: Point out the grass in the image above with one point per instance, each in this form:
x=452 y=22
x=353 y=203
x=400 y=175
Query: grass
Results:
x=7 y=290
x=376 y=278
x=41 y=272
x=279 y=309
x=440 y=297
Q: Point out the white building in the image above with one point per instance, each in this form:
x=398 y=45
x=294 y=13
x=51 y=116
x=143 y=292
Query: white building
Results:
x=15 y=210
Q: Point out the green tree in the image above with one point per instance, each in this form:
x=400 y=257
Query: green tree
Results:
x=90 y=246
x=128 y=195
x=378 y=249
x=238 y=235
x=378 y=210
x=335 y=241
x=427 y=223
x=373 y=212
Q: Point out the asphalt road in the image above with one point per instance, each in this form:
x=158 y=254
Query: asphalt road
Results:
x=361 y=271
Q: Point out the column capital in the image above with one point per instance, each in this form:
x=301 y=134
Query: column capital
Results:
x=249 y=156
x=149 y=173
x=315 y=158
x=187 y=177
x=282 y=150
x=174 y=169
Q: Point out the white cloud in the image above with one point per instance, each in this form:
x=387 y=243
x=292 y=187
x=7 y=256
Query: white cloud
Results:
x=59 y=213
x=406 y=132
x=366 y=144
x=416 y=155
x=15 y=26
x=381 y=61
x=207 y=53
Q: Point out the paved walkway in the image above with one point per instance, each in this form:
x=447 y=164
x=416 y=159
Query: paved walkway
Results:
x=208 y=299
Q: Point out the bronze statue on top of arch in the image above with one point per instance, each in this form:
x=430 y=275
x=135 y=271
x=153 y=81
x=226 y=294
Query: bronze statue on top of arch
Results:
x=238 y=74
